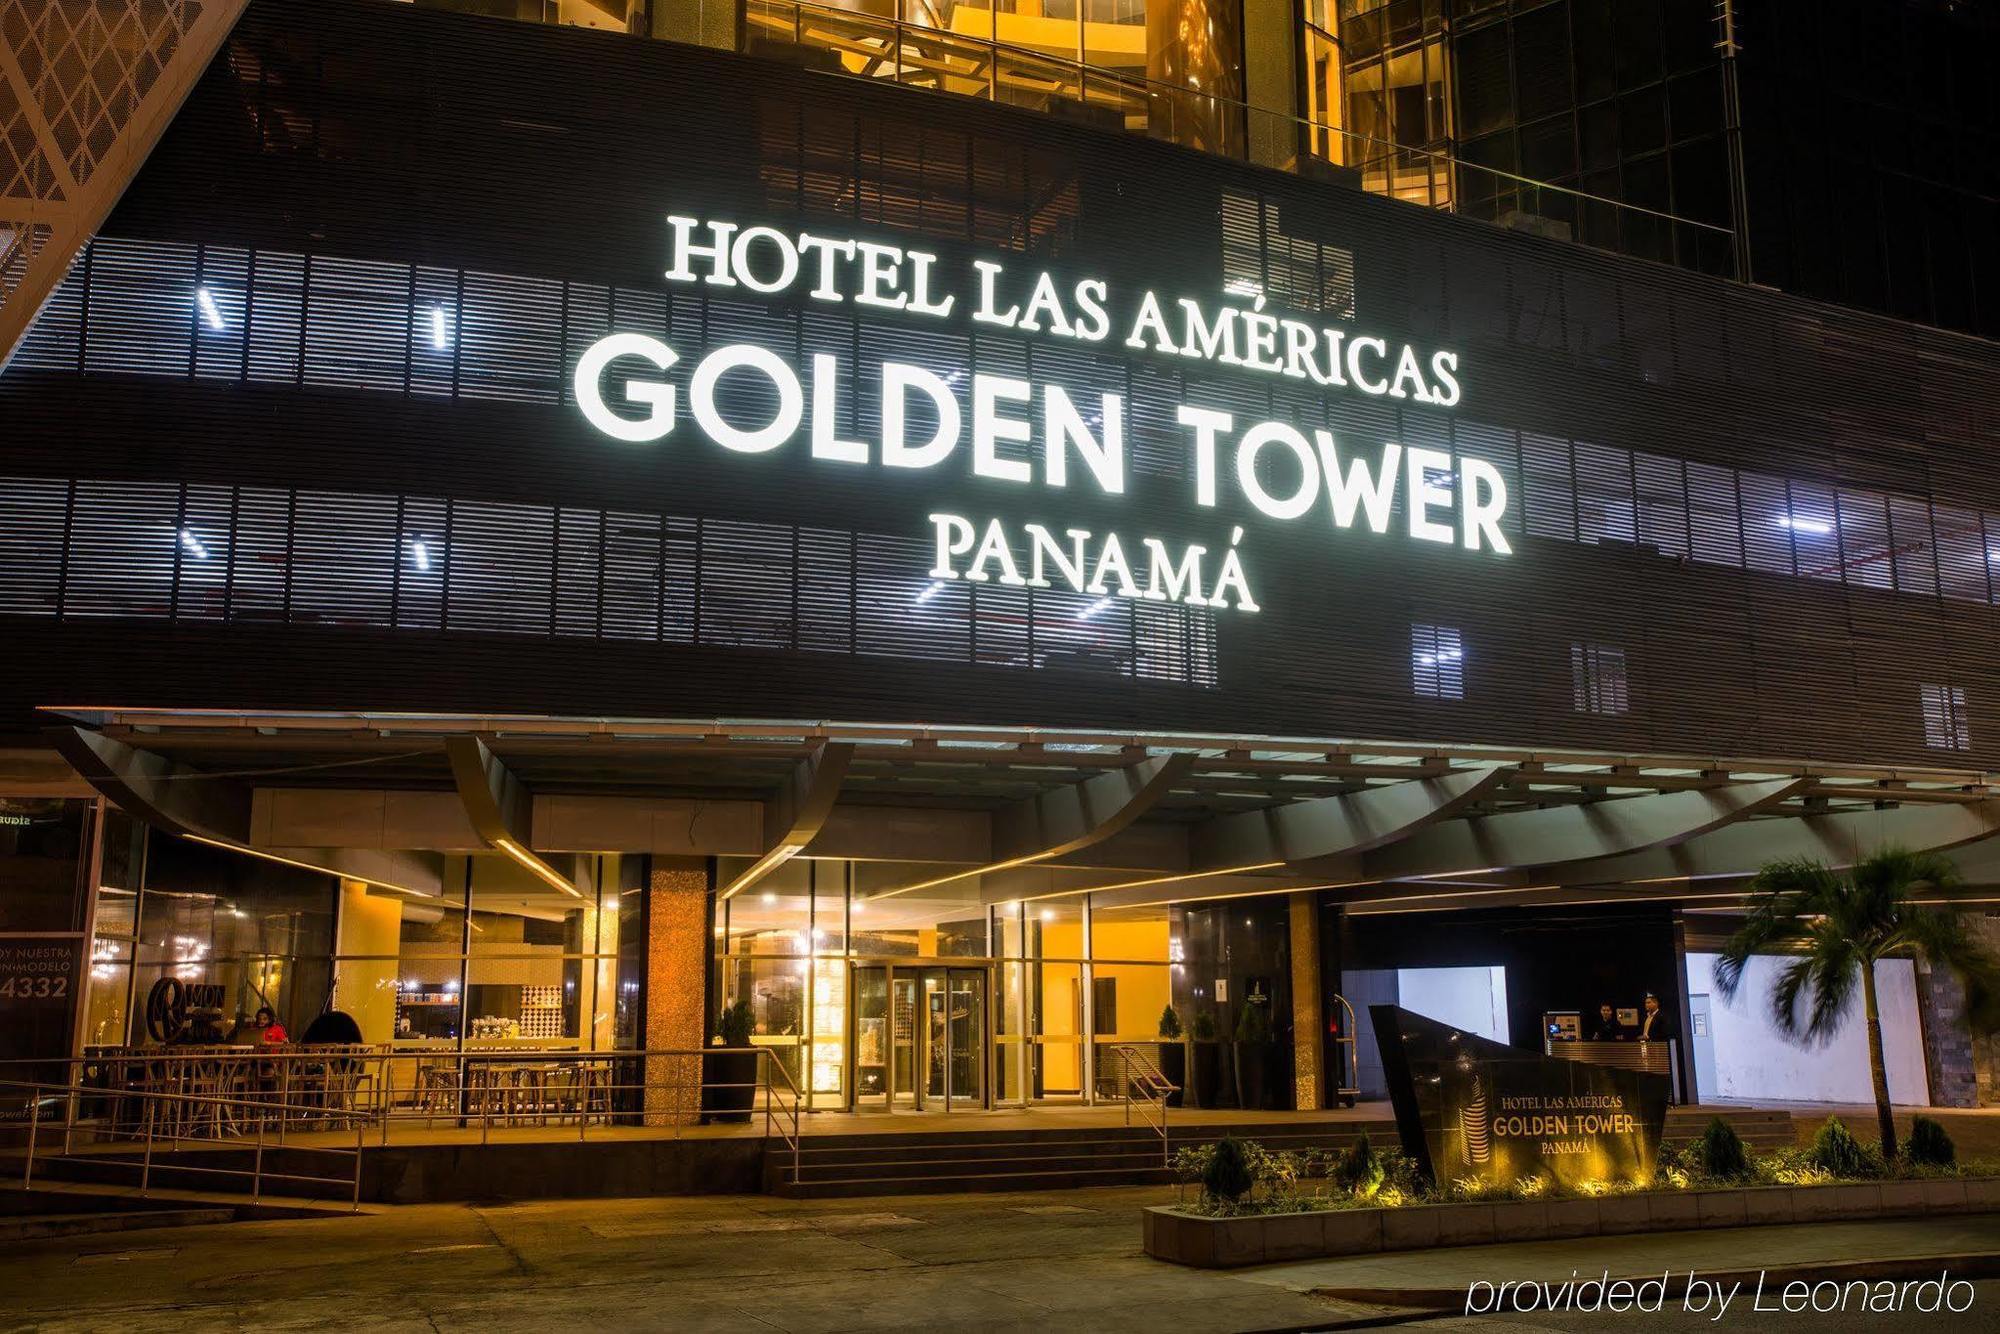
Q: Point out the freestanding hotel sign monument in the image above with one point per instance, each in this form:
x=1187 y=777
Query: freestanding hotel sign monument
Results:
x=1470 y=1107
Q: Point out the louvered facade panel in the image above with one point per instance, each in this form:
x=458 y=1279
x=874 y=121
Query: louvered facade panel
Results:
x=301 y=422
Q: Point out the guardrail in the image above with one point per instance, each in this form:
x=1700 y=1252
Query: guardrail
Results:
x=157 y=1124
x=1143 y=1084
x=206 y=1095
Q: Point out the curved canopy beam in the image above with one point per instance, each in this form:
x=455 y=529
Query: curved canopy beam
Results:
x=794 y=817
x=1305 y=831
x=1596 y=830
x=1837 y=840
x=499 y=806
x=217 y=811
x=1068 y=819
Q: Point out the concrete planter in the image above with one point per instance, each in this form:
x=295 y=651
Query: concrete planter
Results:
x=1225 y=1243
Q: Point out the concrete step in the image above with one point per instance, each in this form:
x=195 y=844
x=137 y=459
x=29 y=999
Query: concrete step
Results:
x=1050 y=1179
x=34 y=1227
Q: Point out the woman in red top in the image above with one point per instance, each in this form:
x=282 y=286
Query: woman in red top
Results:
x=270 y=1033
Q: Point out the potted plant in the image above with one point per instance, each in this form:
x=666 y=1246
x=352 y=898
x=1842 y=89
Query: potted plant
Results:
x=1253 y=1054
x=729 y=1075
x=1173 y=1055
x=1206 y=1071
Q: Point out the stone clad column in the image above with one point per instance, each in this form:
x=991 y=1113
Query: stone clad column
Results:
x=1308 y=1068
x=676 y=987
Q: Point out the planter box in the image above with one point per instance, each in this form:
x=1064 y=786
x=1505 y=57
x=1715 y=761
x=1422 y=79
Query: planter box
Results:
x=1226 y=1243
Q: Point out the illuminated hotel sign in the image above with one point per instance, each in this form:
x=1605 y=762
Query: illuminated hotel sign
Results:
x=1037 y=434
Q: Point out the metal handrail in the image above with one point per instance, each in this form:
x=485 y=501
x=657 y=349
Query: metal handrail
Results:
x=159 y=1125
x=1152 y=1087
x=199 y=1092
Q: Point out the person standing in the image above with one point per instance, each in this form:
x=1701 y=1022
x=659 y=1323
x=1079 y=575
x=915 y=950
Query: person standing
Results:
x=1654 y=1023
x=1607 y=1029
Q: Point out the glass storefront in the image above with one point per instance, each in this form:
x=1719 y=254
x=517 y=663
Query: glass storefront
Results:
x=934 y=1000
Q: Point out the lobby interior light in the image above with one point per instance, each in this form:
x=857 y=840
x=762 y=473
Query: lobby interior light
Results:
x=1817 y=527
x=420 y=554
x=193 y=545
x=210 y=312
x=440 y=329
x=536 y=866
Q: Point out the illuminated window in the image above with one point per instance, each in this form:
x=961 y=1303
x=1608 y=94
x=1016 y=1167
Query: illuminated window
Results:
x=1437 y=662
x=1946 y=726
x=1598 y=681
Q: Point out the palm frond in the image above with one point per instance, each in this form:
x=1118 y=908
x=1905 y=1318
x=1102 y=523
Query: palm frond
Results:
x=1790 y=895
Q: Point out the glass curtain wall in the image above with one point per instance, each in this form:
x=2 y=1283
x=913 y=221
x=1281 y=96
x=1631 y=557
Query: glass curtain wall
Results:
x=499 y=959
x=1377 y=75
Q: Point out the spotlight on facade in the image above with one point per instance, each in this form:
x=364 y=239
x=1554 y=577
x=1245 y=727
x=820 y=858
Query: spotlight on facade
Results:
x=193 y=545
x=930 y=590
x=1817 y=527
x=210 y=312
x=440 y=329
x=420 y=553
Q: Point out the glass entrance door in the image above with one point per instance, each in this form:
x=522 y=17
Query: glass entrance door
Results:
x=920 y=1038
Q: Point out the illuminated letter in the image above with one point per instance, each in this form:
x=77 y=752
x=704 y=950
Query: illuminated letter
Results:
x=1333 y=375
x=1111 y=560
x=1477 y=515
x=1216 y=342
x=1206 y=423
x=1149 y=319
x=897 y=379
x=788 y=260
x=685 y=249
x=878 y=271
x=920 y=287
x=827 y=443
x=989 y=428
x=954 y=538
x=1095 y=324
x=1043 y=546
x=1044 y=301
x=660 y=397
x=1406 y=369
x=1376 y=494
x=1260 y=342
x=701 y=398
x=1256 y=438
x=1167 y=582
x=1231 y=577
x=1417 y=462
x=993 y=547
x=985 y=312
x=1063 y=426
x=823 y=289
x=1361 y=382
x=1442 y=366
x=1300 y=344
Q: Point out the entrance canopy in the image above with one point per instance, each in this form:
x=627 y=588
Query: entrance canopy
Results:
x=1020 y=814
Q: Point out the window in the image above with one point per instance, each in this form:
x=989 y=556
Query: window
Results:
x=1597 y=678
x=1946 y=726
x=1437 y=662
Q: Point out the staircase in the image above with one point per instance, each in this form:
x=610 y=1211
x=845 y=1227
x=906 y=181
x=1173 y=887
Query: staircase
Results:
x=927 y=1162
x=948 y=1162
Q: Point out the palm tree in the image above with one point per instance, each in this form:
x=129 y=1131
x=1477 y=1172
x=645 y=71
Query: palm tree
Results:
x=1838 y=924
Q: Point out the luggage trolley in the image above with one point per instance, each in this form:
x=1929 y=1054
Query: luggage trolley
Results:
x=1347 y=1076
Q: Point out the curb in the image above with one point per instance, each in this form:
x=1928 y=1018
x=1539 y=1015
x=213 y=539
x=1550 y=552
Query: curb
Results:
x=1425 y=1303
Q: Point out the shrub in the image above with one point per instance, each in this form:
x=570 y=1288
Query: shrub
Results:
x=1719 y=1152
x=1170 y=1024
x=1929 y=1145
x=1360 y=1170
x=1204 y=1026
x=1227 y=1177
x=1836 y=1152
